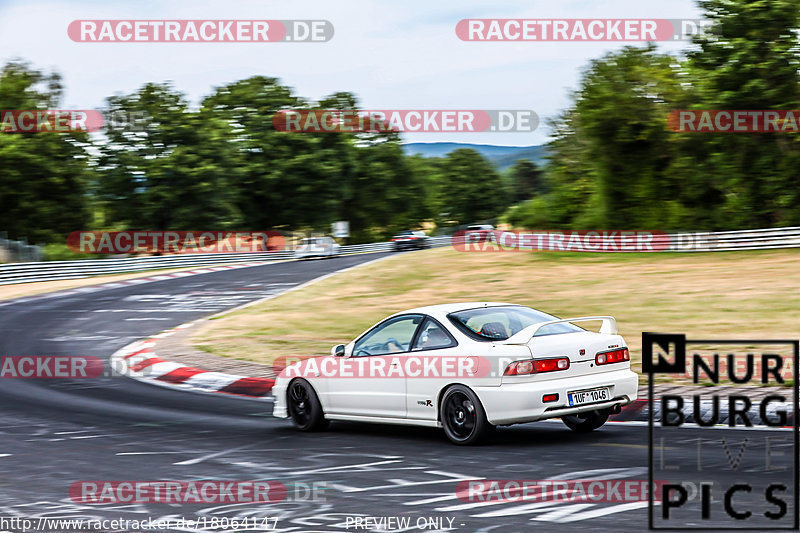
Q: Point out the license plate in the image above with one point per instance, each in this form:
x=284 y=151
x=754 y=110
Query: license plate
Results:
x=581 y=397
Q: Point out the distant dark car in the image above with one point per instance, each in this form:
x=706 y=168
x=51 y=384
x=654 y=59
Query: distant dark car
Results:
x=478 y=233
x=410 y=240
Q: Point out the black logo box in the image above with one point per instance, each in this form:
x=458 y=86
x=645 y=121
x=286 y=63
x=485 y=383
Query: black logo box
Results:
x=678 y=366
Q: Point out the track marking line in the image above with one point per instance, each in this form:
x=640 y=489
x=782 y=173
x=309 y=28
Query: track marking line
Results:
x=594 y=513
x=344 y=467
x=557 y=515
x=210 y=456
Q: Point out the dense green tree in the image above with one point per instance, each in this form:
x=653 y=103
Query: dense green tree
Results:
x=470 y=188
x=43 y=176
x=526 y=180
x=174 y=173
x=615 y=164
x=748 y=60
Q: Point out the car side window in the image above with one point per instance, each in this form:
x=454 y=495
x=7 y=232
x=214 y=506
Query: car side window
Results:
x=432 y=336
x=392 y=336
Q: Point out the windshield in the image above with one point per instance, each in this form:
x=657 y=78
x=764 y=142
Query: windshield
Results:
x=499 y=323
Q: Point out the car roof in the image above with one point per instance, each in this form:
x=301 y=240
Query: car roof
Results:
x=442 y=310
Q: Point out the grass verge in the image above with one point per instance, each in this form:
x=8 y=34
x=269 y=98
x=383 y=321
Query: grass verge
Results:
x=722 y=294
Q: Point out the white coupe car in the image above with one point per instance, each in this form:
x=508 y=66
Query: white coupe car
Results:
x=466 y=368
x=316 y=247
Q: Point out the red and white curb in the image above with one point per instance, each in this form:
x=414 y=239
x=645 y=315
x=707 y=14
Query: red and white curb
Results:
x=140 y=361
x=127 y=282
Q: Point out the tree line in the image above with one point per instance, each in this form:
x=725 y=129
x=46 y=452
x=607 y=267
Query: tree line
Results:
x=222 y=165
x=612 y=164
x=615 y=164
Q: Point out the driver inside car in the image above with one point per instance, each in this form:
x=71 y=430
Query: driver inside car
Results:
x=433 y=337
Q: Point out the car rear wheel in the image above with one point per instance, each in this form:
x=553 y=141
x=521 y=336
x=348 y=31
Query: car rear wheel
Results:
x=585 y=422
x=304 y=406
x=463 y=417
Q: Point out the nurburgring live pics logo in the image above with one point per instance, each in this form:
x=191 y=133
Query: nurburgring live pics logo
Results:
x=707 y=482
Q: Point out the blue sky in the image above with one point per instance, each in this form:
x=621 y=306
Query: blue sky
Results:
x=393 y=55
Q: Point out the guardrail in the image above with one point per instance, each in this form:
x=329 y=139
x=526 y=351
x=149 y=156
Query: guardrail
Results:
x=58 y=270
x=725 y=241
x=761 y=239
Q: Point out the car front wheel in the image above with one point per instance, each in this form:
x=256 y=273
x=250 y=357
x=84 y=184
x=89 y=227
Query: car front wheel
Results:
x=463 y=417
x=304 y=407
x=585 y=422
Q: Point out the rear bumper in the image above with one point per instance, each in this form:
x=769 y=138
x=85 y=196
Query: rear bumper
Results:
x=408 y=245
x=517 y=403
x=306 y=255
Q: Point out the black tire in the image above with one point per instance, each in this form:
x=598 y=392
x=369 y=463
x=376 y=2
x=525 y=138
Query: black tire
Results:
x=585 y=422
x=463 y=416
x=304 y=407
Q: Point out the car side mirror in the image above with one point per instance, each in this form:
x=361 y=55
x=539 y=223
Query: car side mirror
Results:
x=338 y=350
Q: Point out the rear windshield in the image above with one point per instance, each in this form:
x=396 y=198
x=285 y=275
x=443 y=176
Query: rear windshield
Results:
x=499 y=323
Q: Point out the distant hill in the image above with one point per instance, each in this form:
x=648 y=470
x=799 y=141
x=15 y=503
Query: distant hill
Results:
x=502 y=156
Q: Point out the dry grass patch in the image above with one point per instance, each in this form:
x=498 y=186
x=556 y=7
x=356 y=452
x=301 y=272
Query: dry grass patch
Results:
x=724 y=294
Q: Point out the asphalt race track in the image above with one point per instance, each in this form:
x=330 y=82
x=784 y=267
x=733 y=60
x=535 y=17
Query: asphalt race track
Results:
x=56 y=432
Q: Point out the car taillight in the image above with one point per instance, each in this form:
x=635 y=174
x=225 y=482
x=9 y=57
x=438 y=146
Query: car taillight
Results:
x=537 y=366
x=614 y=356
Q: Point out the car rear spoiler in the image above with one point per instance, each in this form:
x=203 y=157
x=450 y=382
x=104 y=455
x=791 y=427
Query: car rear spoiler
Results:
x=525 y=335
